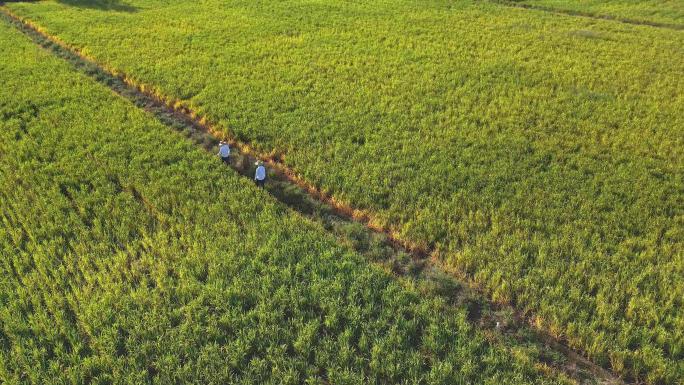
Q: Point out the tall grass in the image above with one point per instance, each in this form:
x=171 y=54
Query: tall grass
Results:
x=541 y=154
x=128 y=255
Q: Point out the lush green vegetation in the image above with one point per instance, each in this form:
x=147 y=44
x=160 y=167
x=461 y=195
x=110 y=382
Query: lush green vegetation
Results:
x=542 y=154
x=648 y=11
x=128 y=255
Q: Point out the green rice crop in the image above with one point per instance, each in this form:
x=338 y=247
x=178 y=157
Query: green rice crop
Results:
x=129 y=256
x=646 y=11
x=541 y=154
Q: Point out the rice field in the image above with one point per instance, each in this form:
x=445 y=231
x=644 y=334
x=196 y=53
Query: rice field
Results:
x=540 y=154
x=660 y=12
x=129 y=255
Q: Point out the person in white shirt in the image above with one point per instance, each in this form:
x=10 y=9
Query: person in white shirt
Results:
x=224 y=152
x=260 y=174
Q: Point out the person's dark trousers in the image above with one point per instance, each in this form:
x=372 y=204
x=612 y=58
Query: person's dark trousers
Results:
x=225 y=159
x=260 y=183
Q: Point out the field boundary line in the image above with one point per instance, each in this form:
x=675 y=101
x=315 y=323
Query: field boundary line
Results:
x=589 y=15
x=147 y=97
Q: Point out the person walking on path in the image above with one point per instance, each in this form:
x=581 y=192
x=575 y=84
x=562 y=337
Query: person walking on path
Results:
x=224 y=152
x=260 y=175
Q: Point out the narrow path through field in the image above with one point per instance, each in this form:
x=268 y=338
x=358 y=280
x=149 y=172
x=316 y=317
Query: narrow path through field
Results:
x=410 y=264
x=590 y=15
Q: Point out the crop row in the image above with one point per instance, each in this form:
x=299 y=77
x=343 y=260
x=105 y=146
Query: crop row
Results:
x=127 y=255
x=539 y=153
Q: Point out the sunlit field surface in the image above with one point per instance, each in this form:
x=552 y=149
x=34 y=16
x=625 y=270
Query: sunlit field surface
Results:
x=541 y=154
x=647 y=11
x=128 y=255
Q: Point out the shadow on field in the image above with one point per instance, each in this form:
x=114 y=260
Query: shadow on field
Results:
x=104 y=5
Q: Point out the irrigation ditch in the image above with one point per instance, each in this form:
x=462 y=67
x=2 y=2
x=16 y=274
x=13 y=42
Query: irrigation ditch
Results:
x=411 y=264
